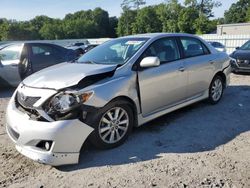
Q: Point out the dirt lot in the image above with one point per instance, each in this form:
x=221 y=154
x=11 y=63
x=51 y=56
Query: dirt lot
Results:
x=198 y=146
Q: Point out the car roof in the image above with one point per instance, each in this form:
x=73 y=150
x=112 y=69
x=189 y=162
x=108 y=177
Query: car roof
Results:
x=153 y=35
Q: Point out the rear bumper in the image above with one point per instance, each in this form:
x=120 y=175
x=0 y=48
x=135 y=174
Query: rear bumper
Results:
x=67 y=137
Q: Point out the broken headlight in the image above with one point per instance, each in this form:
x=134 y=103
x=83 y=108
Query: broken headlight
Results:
x=64 y=102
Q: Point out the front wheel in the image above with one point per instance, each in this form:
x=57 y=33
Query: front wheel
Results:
x=216 y=90
x=112 y=125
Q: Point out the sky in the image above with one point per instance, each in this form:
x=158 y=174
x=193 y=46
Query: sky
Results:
x=27 y=9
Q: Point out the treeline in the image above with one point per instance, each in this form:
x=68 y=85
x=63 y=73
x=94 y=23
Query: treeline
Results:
x=83 y=24
x=194 y=16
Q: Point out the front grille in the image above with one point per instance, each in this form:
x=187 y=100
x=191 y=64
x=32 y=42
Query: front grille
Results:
x=243 y=63
x=26 y=101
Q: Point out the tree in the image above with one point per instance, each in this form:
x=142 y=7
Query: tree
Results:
x=113 y=23
x=186 y=20
x=238 y=12
x=52 y=30
x=203 y=6
x=101 y=19
x=147 y=21
x=128 y=4
x=248 y=14
x=168 y=14
x=125 y=22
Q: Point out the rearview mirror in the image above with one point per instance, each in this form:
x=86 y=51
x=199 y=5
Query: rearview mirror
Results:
x=150 y=62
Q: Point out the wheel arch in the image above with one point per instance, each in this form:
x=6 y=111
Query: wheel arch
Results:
x=131 y=103
x=223 y=76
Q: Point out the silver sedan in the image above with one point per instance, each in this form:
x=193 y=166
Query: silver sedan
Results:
x=118 y=85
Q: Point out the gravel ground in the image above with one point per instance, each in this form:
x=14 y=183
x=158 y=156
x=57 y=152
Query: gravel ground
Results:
x=199 y=146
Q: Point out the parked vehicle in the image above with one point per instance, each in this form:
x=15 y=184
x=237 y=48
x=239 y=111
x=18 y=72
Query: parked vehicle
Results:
x=89 y=47
x=218 y=46
x=118 y=85
x=240 y=58
x=80 y=50
x=19 y=60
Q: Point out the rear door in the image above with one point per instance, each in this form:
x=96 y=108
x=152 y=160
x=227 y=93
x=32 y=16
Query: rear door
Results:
x=163 y=86
x=199 y=64
x=45 y=55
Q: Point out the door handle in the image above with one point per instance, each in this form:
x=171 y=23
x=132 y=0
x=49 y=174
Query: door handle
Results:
x=182 y=69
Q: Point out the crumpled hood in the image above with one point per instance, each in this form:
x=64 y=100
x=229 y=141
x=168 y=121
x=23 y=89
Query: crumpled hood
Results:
x=65 y=75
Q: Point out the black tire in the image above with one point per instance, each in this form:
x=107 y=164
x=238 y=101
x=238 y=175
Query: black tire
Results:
x=211 y=98
x=96 y=123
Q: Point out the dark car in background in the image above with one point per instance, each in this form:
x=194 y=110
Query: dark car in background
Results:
x=240 y=58
x=81 y=48
x=19 y=60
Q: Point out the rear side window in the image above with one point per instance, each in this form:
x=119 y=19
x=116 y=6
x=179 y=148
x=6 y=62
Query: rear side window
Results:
x=43 y=50
x=12 y=52
x=165 y=49
x=193 y=47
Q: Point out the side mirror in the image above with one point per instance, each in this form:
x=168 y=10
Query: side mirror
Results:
x=237 y=48
x=150 y=62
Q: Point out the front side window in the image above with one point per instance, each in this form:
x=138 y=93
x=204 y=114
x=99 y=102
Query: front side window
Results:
x=193 y=47
x=165 y=49
x=12 y=52
x=117 y=51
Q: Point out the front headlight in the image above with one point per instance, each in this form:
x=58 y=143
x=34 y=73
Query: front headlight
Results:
x=63 y=102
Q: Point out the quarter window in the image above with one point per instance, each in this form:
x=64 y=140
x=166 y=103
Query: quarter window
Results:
x=193 y=47
x=165 y=49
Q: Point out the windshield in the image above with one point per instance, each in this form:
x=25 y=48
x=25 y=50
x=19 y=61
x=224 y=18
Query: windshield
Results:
x=117 y=51
x=245 y=46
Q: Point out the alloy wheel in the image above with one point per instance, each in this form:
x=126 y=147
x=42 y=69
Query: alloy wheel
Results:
x=217 y=89
x=113 y=125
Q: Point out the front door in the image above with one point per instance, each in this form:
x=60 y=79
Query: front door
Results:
x=163 y=86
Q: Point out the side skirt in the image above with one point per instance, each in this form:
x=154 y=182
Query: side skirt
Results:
x=142 y=120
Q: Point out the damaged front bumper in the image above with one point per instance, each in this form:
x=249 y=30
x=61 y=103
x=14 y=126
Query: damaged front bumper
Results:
x=66 y=137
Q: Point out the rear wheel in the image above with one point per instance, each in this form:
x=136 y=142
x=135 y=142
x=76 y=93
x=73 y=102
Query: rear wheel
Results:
x=112 y=125
x=216 y=90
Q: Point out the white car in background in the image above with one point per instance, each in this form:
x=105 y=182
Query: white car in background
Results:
x=218 y=46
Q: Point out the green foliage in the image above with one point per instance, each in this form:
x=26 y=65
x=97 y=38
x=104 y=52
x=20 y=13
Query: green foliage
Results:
x=238 y=12
x=125 y=23
x=128 y=4
x=146 y=21
x=204 y=7
x=82 y=24
x=168 y=14
x=194 y=16
x=186 y=20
